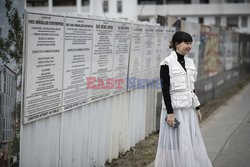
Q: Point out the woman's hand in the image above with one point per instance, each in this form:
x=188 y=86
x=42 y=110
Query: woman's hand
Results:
x=170 y=119
x=199 y=115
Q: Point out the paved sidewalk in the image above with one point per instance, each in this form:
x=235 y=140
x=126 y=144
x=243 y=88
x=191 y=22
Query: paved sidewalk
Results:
x=226 y=132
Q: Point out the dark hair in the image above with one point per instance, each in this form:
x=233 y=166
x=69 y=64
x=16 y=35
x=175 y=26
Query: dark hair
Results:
x=179 y=37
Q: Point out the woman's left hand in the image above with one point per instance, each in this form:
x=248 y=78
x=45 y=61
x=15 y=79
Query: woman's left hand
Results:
x=199 y=115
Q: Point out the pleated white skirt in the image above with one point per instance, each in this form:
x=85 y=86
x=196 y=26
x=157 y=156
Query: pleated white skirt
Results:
x=182 y=146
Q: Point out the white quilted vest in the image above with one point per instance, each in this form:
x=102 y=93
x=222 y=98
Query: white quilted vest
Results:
x=181 y=82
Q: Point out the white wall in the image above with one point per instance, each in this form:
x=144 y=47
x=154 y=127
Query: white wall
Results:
x=96 y=7
x=196 y=9
x=130 y=10
x=90 y=135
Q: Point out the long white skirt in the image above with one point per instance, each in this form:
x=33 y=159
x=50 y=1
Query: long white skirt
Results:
x=182 y=146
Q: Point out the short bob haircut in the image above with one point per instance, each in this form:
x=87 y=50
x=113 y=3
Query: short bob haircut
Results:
x=179 y=37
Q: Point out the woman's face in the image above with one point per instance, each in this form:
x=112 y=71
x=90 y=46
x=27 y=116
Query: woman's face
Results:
x=184 y=48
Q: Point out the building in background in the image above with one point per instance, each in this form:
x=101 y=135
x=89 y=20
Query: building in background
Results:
x=8 y=89
x=228 y=13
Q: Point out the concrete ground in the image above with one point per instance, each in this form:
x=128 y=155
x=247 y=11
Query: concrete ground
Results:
x=226 y=132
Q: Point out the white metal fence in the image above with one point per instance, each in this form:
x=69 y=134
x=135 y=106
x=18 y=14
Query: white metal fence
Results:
x=92 y=134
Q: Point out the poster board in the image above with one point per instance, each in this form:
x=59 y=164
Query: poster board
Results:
x=102 y=59
x=77 y=59
x=135 y=59
x=43 y=65
x=71 y=61
x=122 y=38
x=148 y=53
x=158 y=51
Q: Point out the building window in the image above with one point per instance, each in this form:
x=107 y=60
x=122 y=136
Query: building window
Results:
x=204 y=1
x=140 y=2
x=85 y=2
x=201 y=20
x=160 y=2
x=37 y=3
x=217 y=21
x=235 y=1
x=243 y=21
x=119 y=6
x=162 y=20
x=143 y=18
x=178 y=1
x=64 y=2
x=232 y=21
x=105 y=6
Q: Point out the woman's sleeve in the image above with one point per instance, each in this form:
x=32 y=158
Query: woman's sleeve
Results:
x=165 y=84
x=197 y=108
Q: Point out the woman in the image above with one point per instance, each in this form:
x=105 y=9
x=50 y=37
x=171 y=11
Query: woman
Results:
x=180 y=146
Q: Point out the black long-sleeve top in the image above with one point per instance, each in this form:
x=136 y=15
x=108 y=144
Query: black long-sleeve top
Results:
x=165 y=82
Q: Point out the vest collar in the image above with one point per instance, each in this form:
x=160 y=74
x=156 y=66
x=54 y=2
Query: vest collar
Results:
x=173 y=53
x=174 y=56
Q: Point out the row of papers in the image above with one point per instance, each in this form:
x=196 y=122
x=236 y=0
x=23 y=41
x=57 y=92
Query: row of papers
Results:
x=73 y=61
